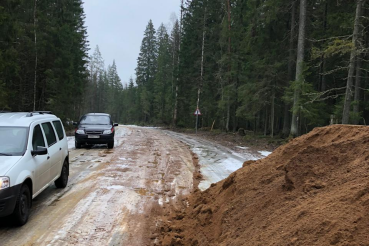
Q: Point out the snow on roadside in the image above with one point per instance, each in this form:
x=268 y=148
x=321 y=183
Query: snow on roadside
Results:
x=216 y=161
x=71 y=145
x=265 y=153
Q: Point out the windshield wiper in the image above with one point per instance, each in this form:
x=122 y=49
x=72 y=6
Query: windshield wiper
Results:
x=3 y=154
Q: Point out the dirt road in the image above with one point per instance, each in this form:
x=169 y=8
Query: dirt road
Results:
x=113 y=196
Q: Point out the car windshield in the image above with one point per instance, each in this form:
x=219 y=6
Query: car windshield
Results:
x=95 y=120
x=13 y=141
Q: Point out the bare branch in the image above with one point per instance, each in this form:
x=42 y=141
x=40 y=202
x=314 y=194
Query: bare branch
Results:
x=331 y=38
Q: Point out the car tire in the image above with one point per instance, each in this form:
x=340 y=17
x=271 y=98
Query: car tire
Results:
x=111 y=145
x=22 y=206
x=78 y=145
x=62 y=181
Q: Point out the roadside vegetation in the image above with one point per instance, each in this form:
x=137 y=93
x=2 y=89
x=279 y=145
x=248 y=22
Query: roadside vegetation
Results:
x=274 y=67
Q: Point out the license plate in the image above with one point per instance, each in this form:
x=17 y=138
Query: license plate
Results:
x=93 y=136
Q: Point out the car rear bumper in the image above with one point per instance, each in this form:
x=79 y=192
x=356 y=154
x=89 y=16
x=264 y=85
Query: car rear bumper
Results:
x=8 y=198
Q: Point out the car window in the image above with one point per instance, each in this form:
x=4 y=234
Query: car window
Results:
x=95 y=120
x=49 y=133
x=37 y=138
x=59 y=129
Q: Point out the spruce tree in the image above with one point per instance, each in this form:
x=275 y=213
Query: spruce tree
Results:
x=146 y=70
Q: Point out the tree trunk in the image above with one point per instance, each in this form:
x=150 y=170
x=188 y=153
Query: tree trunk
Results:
x=266 y=122
x=36 y=58
x=299 y=68
x=354 y=52
x=357 y=90
x=202 y=61
x=322 y=80
x=175 y=114
x=291 y=60
x=229 y=65
x=272 y=112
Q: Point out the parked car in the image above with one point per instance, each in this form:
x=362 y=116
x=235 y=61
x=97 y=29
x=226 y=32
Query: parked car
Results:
x=95 y=128
x=33 y=155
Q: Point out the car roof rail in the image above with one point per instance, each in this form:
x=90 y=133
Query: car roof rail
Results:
x=30 y=114
x=42 y=112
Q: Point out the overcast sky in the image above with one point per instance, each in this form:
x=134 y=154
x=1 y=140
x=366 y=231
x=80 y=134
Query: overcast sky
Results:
x=117 y=26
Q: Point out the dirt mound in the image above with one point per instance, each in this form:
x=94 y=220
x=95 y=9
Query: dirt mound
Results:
x=312 y=191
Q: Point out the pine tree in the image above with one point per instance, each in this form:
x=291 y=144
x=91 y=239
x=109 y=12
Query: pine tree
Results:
x=163 y=78
x=146 y=70
x=353 y=58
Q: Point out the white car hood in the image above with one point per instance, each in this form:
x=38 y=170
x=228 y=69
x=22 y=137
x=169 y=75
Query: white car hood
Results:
x=6 y=162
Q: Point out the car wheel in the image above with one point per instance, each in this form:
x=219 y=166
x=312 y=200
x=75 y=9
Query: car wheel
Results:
x=22 y=206
x=78 y=145
x=111 y=145
x=62 y=181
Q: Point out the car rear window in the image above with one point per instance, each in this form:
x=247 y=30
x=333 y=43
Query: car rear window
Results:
x=95 y=120
x=49 y=133
x=59 y=129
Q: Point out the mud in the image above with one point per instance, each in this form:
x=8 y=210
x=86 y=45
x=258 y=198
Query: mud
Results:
x=312 y=191
x=114 y=197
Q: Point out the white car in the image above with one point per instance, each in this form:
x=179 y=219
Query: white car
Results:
x=33 y=155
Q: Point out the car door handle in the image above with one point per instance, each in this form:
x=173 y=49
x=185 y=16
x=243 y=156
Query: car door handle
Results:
x=48 y=157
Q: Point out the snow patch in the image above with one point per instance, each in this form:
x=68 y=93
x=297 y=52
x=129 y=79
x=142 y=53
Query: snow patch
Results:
x=265 y=153
x=71 y=144
x=115 y=187
x=216 y=162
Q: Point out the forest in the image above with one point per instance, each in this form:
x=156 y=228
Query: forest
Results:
x=43 y=56
x=274 y=67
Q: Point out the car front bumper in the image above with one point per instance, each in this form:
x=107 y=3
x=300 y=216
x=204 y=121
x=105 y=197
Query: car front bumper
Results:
x=8 y=198
x=103 y=139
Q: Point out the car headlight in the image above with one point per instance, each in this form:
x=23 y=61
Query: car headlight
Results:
x=108 y=132
x=80 y=131
x=4 y=183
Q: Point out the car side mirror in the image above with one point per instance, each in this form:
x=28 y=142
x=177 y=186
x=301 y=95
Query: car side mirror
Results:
x=115 y=124
x=39 y=151
x=75 y=123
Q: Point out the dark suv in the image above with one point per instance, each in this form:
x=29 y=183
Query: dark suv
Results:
x=95 y=128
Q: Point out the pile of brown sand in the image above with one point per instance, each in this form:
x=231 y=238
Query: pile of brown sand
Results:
x=312 y=191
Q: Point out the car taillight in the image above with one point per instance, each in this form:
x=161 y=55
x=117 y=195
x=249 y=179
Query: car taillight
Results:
x=112 y=130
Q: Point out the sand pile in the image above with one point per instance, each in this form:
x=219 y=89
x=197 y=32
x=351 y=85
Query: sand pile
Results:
x=312 y=191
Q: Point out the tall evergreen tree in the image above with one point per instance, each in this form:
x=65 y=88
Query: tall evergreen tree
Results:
x=146 y=70
x=163 y=77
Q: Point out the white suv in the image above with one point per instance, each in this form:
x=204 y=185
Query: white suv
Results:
x=33 y=154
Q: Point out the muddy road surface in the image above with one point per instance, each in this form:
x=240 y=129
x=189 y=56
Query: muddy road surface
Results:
x=114 y=197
